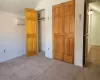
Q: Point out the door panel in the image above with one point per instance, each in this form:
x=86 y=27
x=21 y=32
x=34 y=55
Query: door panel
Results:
x=66 y=46
x=71 y=47
x=57 y=32
x=58 y=47
x=31 y=32
x=71 y=23
x=68 y=31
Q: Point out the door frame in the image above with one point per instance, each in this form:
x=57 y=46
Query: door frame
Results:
x=85 y=32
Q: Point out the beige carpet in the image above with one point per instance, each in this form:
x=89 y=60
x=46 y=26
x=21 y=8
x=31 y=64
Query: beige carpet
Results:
x=41 y=68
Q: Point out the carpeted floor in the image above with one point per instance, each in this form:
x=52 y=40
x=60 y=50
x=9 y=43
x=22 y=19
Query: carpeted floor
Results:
x=41 y=68
x=94 y=54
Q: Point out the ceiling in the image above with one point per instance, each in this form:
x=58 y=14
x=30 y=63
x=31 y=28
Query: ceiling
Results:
x=95 y=6
x=17 y=6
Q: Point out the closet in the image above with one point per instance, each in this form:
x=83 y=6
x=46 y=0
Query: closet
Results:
x=41 y=30
x=63 y=31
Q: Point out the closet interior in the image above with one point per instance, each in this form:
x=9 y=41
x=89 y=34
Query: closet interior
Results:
x=41 y=31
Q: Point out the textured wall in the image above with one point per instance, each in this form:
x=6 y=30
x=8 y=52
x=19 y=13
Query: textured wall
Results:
x=12 y=37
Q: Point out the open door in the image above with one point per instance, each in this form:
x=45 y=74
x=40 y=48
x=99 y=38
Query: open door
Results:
x=85 y=46
x=31 y=32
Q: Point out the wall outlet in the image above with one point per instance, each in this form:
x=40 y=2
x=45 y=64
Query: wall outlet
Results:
x=48 y=49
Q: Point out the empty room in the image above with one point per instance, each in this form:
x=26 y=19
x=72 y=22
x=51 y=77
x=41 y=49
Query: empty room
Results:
x=48 y=40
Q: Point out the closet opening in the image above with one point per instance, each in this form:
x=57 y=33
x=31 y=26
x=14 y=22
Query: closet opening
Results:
x=41 y=32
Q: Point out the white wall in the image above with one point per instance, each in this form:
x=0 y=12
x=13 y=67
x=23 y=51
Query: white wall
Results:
x=79 y=24
x=12 y=37
x=95 y=29
x=41 y=28
x=47 y=5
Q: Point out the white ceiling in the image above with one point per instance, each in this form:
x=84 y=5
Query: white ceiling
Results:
x=17 y=6
x=95 y=6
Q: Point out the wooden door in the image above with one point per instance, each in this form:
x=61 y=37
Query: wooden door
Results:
x=68 y=31
x=57 y=32
x=31 y=32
